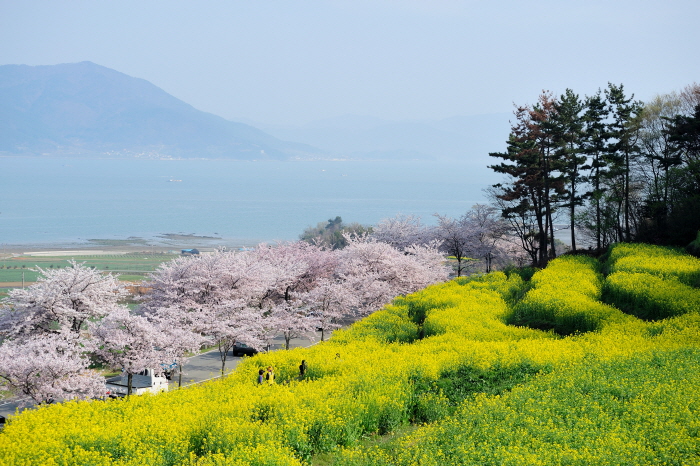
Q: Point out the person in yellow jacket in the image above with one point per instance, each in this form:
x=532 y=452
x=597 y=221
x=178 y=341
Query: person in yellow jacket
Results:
x=270 y=376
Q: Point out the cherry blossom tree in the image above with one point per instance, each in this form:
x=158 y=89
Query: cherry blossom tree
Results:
x=288 y=271
x=427 y=265
x=288 y=289
x=328 y=303
x=402 y=231
x=478 y=235
x=48 y=368
x=131 y=343
x=457 y=239
x=299 y=266
x=216 y=295
x=63 y=299
x=228 y=324
x=291 y=321
x=179 y=342
x=192 y=283
x=47 y=328
x=376 y=272
x=488 y=230
x=512 y=251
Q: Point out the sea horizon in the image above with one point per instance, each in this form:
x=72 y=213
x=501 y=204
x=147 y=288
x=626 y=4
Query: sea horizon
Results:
x=71 y=202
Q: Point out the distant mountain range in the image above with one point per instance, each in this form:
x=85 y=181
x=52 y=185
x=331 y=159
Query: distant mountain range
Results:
x=84 y=109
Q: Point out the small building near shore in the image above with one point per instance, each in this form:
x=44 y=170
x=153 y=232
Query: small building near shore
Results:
x=190 y=252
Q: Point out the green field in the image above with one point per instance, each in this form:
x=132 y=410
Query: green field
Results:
x=130 y=267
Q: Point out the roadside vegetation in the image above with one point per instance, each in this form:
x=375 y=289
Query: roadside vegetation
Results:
x=444 y=369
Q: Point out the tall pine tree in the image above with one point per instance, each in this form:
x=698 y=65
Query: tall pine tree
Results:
x=567 y=124
x=594 y=145
x=532 y=189
x=542 y=130
x=625 y=114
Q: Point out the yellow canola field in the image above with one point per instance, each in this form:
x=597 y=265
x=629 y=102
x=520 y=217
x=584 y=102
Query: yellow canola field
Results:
x=625 y=393
x=566 y=298
x=661 y=261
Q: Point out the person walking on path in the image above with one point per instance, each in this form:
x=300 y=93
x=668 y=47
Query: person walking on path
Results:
x=270 y=376
x=261 y=376
x=302 y=369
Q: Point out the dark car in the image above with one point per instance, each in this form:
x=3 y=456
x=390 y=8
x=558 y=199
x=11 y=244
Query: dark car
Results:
x=241 y=349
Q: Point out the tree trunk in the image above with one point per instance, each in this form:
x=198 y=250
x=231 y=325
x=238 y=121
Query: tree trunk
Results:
x=223 y=353
x=597 y=208
x=129 y=383
x=572 y=213
x=627 y=197
x=458 y=256
x=553 y=252
x=571 y=225
x=541 y=234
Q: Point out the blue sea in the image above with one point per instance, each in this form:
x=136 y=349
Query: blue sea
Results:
x=64 y=202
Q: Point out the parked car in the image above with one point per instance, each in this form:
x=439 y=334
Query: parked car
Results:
x=241 y=349
x=318 y=316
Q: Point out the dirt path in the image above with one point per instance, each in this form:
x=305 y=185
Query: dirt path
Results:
x=14 y=284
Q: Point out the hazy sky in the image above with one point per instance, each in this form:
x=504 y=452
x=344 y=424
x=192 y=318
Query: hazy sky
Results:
x=290 y=62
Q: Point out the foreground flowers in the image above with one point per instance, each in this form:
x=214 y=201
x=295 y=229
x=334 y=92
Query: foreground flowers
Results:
x=492 y=393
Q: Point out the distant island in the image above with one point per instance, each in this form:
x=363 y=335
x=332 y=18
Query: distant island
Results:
x=181 y=236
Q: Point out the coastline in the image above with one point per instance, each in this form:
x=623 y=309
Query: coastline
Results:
x=161 y=244
x=81 y=249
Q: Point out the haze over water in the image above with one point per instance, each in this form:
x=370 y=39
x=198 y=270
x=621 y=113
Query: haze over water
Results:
x=67 y=201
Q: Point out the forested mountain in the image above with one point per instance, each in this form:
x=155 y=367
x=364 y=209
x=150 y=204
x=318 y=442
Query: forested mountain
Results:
x=89 y=110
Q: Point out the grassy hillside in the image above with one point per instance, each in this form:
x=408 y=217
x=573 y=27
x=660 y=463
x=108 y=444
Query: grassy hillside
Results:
x=490 y=370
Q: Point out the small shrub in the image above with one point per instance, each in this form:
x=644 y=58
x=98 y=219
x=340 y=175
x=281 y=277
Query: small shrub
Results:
x=694 y=247
x=525 y=273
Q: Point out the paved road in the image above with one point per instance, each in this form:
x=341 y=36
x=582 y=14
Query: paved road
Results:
x=207 y=366
x=199 y=368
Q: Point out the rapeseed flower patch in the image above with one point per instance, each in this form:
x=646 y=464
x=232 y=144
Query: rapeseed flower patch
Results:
x=619 y=390
x=664 y=262
x=650 y=296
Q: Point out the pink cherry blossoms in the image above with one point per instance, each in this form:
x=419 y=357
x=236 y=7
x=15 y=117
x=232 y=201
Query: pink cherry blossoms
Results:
x=291 y=289
x=54 y=329
x=48 y=333
x=48 y=368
